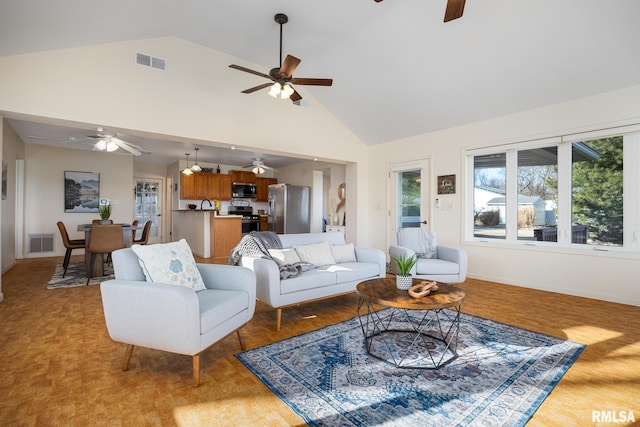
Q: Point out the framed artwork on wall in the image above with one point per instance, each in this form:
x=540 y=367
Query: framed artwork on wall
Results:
x=81 y=191
x=447 y=184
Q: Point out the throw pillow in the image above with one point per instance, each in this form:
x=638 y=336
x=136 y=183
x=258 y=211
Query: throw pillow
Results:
x=343 y=253
x=284 y=256
x=170 y=263
x=318 y=254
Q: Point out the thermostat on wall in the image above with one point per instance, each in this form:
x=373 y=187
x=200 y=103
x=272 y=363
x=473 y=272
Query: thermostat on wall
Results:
x=104 y=202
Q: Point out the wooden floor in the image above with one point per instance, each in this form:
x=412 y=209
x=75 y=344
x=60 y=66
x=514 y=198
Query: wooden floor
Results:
x=60 y=368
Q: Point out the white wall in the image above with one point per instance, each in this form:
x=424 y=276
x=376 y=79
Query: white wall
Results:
x=12 y=150
x=593 y=274
x=197 y=98
x=44 y=190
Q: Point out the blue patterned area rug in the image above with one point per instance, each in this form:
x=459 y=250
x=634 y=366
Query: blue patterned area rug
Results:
x=501 y=376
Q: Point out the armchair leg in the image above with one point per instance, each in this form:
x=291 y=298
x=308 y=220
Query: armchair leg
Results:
x=243 y=346
x=196 y=370
x=278 y=318
x=127 y=357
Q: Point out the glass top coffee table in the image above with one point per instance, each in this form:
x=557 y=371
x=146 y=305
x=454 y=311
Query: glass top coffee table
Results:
x=410 y=332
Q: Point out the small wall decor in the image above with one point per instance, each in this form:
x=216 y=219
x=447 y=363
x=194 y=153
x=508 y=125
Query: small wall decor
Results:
x=81 y=191
x=447 y=184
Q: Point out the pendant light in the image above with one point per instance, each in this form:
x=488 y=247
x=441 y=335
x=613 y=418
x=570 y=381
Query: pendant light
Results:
x=187 y=170
x=196 y=167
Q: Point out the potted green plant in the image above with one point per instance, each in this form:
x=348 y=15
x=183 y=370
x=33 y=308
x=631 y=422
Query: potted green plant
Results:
x=105 y=212
x=404 y=278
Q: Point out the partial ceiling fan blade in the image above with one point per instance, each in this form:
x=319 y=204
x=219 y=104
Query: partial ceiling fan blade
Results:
x=253 y=89
x=312 y=82
x=125 y=146
x=248 y=70
x=295 y=96
x=289 y=66
x=455 y=8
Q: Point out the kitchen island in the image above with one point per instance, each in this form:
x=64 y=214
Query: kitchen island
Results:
x=209 y=235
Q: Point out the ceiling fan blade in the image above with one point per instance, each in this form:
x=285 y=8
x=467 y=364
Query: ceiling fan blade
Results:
x=455 y=8
x=253 y=89
x=289 y=66
x=125 y=146
x=312 y=82
x=248 y=70
x=295 y=96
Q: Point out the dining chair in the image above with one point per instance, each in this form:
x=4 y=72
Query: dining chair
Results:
x=134 y=224
x=105 y=238
x=69 y=244
x=145 y=235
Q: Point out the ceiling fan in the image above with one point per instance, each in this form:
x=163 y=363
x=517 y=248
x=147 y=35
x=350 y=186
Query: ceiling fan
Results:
x=258 y=167
x=103 y=142
x=455 y=8
x=282 y=77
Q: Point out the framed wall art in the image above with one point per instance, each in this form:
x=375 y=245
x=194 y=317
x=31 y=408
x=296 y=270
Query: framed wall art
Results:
x=81 y=191
x=447 y=184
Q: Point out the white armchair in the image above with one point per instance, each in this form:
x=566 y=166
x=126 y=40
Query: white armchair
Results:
x=448 y=264
x=176 y=318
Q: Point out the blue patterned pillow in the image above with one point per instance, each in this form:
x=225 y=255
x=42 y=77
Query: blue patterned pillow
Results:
x=170 y=263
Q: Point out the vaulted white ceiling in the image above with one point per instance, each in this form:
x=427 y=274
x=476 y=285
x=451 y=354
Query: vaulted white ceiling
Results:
x=398 y=70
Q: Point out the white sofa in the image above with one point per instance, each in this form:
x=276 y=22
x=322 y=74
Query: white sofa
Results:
x=321 y=282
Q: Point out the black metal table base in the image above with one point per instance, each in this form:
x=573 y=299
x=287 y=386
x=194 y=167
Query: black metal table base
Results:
x=422 y=339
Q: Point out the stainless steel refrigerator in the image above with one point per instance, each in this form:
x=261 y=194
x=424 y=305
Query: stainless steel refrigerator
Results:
x=289 y=208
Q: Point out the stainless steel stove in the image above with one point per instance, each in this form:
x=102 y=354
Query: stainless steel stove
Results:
x=250 y=221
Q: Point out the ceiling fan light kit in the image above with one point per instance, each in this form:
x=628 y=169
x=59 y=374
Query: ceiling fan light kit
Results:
x=282 y=76
x=106 y=144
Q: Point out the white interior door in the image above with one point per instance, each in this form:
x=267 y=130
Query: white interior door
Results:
x=148 y=206
x=409 y=196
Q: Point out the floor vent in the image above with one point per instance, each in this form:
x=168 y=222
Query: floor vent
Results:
x=150 y=61
x=40 y=243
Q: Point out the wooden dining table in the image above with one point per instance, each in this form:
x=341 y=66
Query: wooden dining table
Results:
x=128 y=231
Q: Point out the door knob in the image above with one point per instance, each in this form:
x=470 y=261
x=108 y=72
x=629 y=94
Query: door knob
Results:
x=424 y=222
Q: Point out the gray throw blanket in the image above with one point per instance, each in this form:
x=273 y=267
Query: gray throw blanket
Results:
x=258 y=243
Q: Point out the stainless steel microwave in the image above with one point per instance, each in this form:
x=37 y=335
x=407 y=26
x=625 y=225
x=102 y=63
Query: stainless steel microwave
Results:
x=240 y=190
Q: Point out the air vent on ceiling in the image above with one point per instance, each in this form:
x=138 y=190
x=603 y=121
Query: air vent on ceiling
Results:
x=151 y=61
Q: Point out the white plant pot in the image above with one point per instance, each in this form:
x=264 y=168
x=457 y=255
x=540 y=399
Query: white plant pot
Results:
x=403 y=282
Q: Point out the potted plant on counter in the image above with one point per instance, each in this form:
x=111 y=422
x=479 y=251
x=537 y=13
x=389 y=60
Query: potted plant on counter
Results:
x=404 y=278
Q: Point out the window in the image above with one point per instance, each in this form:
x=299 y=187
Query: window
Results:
x=565 y=191
x=490 y=196
x=409 y=199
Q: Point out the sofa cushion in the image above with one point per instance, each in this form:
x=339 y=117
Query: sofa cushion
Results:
x=284 y=256
x=435 y=266
x=316 y=278
x=217 y=306
x=343 y=253
x=169 y=263
x=350 y=271
x=318 y=254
